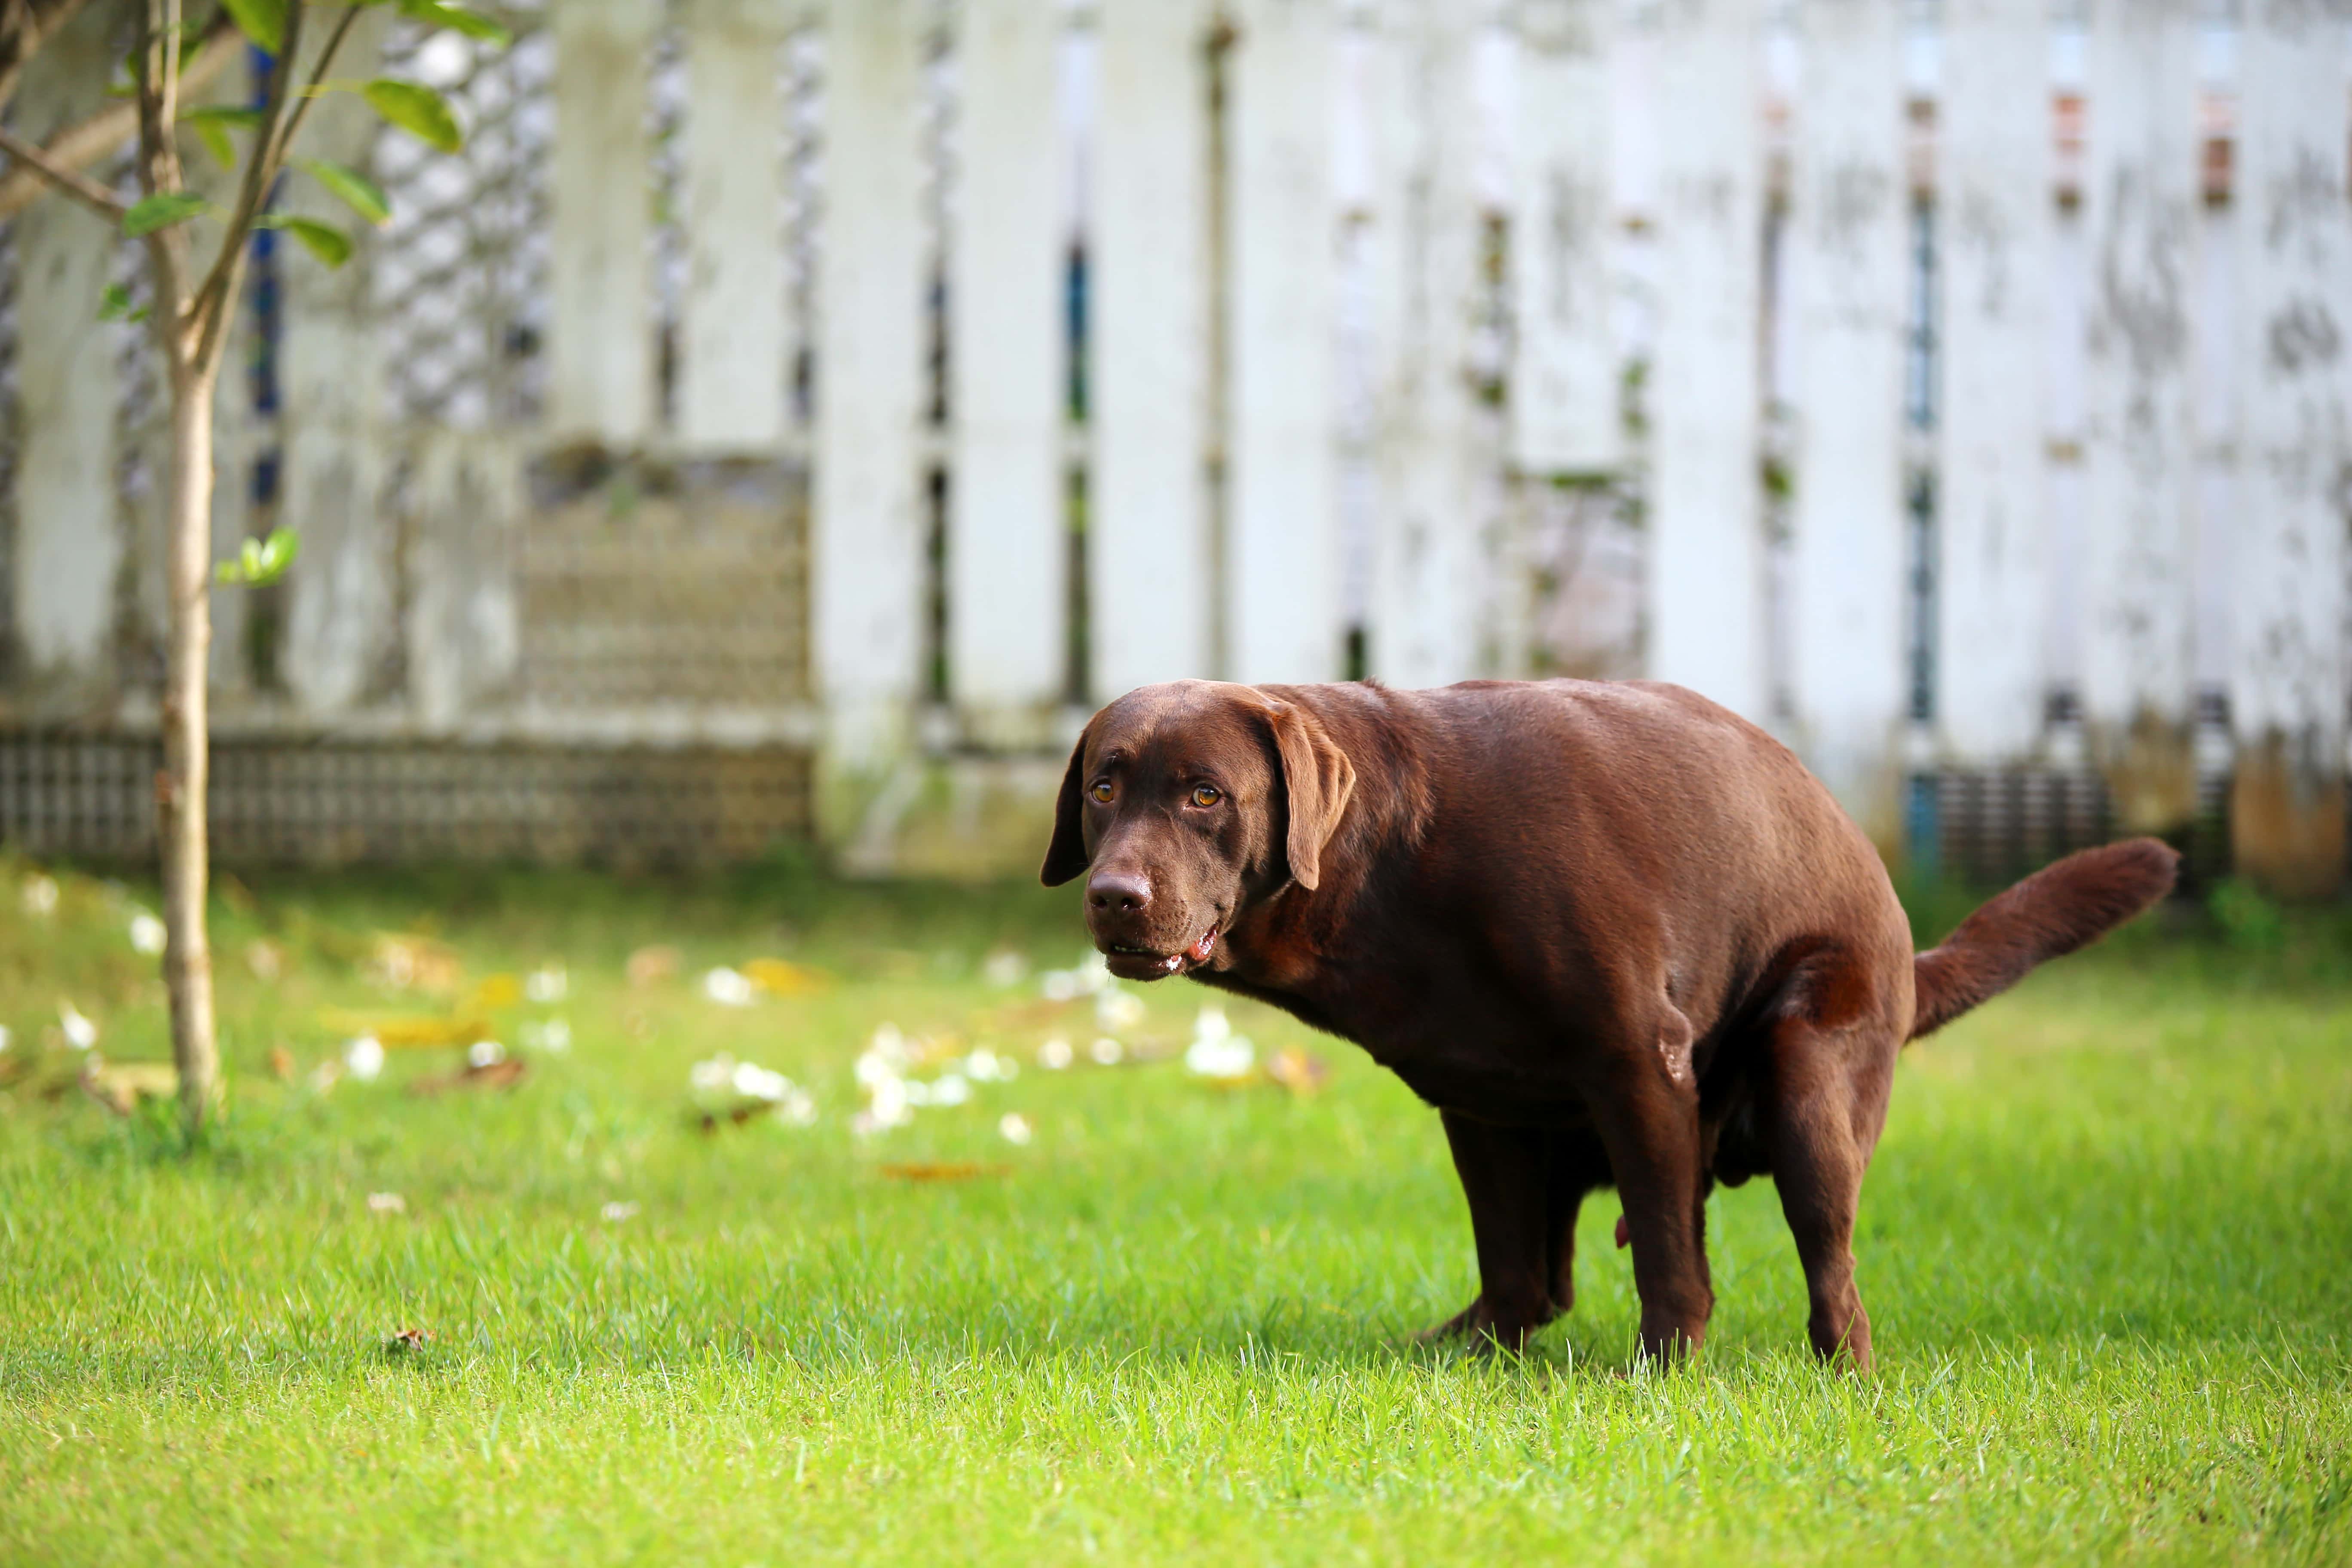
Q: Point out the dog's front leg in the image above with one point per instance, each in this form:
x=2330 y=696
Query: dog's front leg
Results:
x=1644 y=1102
x=1503 y=1176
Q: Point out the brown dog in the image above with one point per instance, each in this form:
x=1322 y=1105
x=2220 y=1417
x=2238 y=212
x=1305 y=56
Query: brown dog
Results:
x=1616 y=934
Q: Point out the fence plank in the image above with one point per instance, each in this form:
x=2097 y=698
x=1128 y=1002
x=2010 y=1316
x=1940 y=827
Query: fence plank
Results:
x=1995 y=250
x=1282 y=538
x=339 y=599
x=67 y=544
x=1564 y=414
x=1149 y=568
x=731 y=388
x=601 y=385
x=1706 y=566
x=1436 y=464
x=463 y=622
x=1007 y=539
x=867 y=541
x=2140 y=193
x=2295 y=293
x=1847 y=263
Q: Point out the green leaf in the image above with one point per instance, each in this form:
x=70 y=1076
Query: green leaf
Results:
x=260 y=562
x=215 y=141
x=211 y=124
x=417 y=110
x=114 y=304
x=263 y=21
x=323 y=240
x=161 y=211
x=359 y=193
x=236 y=114
x=457 y=19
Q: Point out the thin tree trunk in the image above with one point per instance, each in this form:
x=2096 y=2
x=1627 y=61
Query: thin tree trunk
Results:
x=179 y=790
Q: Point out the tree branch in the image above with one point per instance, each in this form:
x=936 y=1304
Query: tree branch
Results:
x=35 y=162
x=24 y=27
x=159 y=172
x=310 y=93
x=271 y=160
x=209 y=310
x=79 y=145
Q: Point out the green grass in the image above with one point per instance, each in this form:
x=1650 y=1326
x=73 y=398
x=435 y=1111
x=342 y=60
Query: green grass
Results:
x=2106 y=1247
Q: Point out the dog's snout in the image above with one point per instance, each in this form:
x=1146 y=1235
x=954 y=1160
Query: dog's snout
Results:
x=1118 y=892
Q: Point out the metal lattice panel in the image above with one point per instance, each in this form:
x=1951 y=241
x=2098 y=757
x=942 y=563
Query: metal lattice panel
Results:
x=344 y=801
x=461 y=271
x=649 y=584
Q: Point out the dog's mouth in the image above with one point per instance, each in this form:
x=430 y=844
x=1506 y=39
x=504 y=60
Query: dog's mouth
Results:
x=1142 y=964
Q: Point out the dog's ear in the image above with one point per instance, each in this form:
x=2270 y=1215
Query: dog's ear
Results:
x=1065 y=857
x=1316 y=778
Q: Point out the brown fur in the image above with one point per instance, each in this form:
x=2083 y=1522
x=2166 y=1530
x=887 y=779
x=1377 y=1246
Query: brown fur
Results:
x=1617 y=935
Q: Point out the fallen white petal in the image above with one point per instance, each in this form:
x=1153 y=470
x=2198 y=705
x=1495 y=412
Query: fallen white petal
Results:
x=80 y=1033
x=364 y=1057
x=387 y=1203
x=755 y=1082
x=40 y=896
x=728 y=988
x=1116 y=1009
x=147 y=934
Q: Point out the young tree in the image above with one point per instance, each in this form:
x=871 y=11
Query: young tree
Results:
x=193 y=303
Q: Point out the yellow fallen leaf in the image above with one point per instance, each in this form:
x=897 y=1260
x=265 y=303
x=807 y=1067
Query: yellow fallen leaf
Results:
x=496 y=991
x=780 y=977
x=413 y=1033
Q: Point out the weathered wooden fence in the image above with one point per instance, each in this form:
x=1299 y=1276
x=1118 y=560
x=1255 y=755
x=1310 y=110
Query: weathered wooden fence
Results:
x=828 y=402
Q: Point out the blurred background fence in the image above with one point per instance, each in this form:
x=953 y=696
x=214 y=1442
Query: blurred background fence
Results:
x=787 y=420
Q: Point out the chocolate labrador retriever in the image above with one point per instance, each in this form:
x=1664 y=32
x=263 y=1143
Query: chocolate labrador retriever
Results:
x=1616 y=934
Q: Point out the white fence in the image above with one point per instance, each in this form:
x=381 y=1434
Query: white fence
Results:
x=1957 y=389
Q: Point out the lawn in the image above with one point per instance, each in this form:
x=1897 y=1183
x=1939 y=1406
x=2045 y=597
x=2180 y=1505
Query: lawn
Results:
x=2106 y=1249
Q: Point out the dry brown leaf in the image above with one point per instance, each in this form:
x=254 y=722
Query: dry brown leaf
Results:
x=942 y=1170
x=407 y=1341
x=503 y=1074
x=121 y=1086
x=234 y=893
x=409 y=962
x=1300 y=1072
x=652 y=965
x=281 y=1064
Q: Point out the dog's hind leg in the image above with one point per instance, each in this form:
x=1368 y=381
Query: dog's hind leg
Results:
x=1644 y=1102
x=1829 y=1100
x=1574 y=1165
x=1503 y=1176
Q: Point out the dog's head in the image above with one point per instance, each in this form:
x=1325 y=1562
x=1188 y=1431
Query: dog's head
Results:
x=1186 y=804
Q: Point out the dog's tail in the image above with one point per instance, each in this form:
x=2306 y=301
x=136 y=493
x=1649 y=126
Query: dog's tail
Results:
x=2057 y=910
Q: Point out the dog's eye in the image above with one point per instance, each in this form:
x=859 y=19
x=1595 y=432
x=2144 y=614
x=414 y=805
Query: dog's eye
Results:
x=1207 y=795
x=1102 y=792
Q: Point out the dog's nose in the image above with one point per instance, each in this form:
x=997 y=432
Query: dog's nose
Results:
x=1118 y=892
